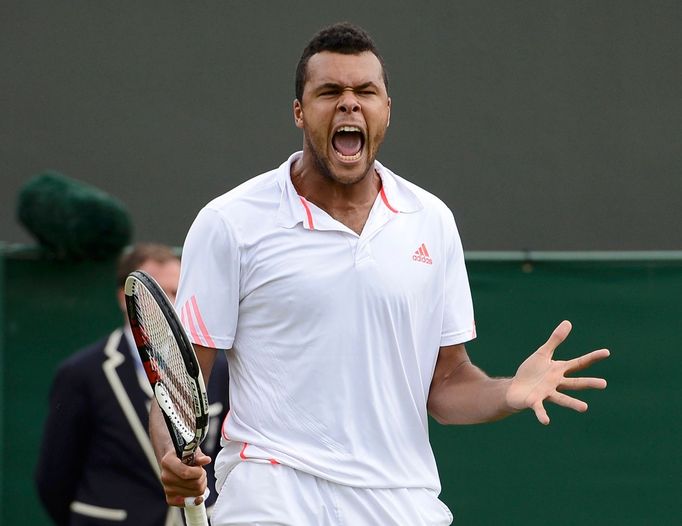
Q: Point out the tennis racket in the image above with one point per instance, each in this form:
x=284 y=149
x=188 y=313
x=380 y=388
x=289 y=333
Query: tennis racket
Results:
x=172 y=370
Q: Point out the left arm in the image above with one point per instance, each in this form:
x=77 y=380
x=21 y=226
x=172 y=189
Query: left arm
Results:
x=463 y=394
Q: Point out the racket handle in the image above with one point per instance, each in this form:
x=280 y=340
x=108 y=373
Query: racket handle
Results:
x=195 y=515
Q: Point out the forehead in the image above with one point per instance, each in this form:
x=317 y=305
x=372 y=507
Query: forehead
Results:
x=166 y=273
x=347 y=70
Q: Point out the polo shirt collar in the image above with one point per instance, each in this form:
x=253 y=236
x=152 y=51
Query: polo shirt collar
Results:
x=294 y=209
x=398 y=195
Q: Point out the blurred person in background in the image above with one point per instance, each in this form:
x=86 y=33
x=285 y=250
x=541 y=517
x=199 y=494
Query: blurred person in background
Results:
x=96 y=464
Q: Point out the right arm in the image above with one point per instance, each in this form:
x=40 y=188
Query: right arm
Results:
x=208 y=291
x=179 y=480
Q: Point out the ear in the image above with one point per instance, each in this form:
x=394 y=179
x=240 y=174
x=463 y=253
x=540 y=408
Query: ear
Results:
x=388 y=121
x=298 y=114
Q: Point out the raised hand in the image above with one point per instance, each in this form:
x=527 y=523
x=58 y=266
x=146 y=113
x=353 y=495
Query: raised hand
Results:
x=541 y=378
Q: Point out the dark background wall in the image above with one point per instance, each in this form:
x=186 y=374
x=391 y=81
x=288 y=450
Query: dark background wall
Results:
x=544 y=124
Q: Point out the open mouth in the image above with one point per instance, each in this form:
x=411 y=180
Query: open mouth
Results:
x=348 y=142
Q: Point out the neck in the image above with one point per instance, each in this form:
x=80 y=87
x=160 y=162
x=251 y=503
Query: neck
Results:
x=347 y=203
x=332 y=195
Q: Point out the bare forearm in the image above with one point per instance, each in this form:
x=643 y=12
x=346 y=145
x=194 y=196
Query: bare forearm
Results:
x=463 y=394
x=468 y=396
x=158 y=432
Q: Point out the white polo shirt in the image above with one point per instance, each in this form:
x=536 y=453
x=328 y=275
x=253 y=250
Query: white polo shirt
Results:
x=334 y=335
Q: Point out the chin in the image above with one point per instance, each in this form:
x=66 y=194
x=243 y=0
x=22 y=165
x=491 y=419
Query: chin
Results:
x=351 y=174
x=345 y=173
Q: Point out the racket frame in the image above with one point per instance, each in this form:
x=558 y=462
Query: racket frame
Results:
x=185 y=446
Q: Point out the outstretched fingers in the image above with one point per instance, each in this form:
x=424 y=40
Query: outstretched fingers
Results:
x=568 y=401
x=556 y=338
x=541 y=379
x=584 y=361
x=541 y=413
x=558 y=399
x=580 y=384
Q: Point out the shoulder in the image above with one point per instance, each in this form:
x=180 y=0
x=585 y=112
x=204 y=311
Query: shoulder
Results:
x=430 y=201
x=81 y=369
x=251 y=206
x=239 y=208
x=258 y=193
x=87 y=360
x=86 y=355
x=429 y=204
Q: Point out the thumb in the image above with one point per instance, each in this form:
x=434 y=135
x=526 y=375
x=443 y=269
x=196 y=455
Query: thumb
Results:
x=201 y=458
x=556 y=338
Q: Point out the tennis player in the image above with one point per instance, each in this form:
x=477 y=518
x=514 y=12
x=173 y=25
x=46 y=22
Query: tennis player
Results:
x=340 y=290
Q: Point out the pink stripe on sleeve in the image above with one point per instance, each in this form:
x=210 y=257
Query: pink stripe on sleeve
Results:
x=202 y=325
x=190 y=322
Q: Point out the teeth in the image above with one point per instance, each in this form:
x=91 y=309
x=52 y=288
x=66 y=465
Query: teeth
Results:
x=349 y=157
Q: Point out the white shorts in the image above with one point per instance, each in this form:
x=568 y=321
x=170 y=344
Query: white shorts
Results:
x=262 y=493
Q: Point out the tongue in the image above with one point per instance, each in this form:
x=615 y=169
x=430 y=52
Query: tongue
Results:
x=347 y=143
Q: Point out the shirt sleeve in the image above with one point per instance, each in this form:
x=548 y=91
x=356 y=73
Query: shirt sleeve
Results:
x=458 y=315
x=208 y=295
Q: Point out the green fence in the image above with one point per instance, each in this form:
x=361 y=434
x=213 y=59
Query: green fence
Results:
x=51 y=308
x=619 y=463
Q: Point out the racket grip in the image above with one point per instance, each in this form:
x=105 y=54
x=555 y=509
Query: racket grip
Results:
x=195 y=515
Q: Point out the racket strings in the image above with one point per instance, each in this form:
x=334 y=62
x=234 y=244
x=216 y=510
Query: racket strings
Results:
x=166 y=357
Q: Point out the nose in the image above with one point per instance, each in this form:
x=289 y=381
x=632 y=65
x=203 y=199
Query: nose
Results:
x=348 y=102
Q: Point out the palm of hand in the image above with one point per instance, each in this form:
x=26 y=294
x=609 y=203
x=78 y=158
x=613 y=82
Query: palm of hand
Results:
x=541 y=378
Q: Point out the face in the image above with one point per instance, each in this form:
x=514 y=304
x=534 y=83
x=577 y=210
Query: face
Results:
x=167 y=275
x=344 y=114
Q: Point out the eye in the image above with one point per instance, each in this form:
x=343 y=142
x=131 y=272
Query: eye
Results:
x=328 y=92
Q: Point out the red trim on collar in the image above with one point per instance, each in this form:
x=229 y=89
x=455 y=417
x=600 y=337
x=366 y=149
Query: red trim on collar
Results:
x=307 y=211
x=385 y=200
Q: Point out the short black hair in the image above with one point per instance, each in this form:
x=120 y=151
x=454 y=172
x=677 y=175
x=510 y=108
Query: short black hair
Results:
x=342 y=37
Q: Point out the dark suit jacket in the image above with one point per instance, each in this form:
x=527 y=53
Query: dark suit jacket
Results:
x=96 y=464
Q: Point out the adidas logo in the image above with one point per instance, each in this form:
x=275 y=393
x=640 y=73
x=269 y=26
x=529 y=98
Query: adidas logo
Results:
x=422 y=255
